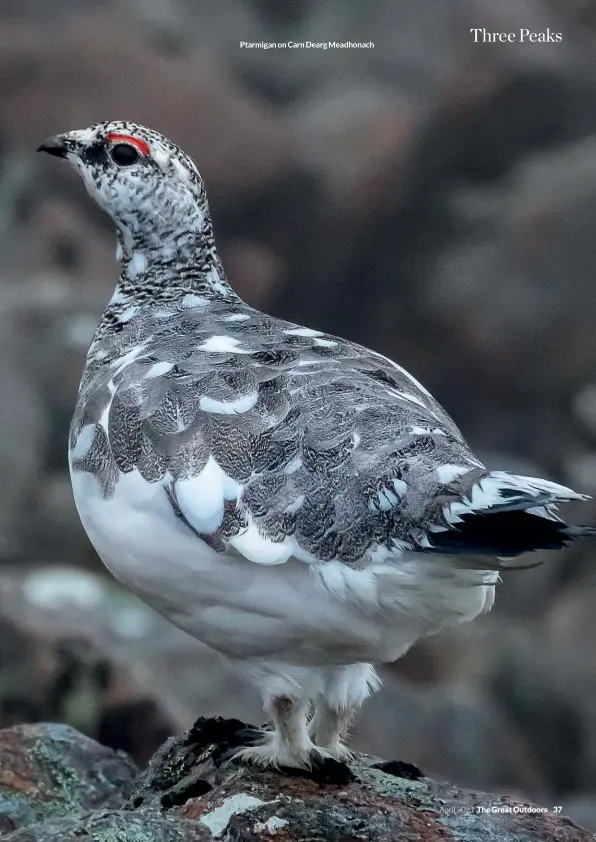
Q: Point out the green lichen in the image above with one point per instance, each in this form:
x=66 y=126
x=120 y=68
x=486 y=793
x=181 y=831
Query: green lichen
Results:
x=121 y=826
x=63 y=778
x=113 y=826
x=49 y=754
x=49 y=795
x=471 y=826
x=413 y=793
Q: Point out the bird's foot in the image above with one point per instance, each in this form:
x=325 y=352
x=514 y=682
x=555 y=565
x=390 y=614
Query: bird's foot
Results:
x=338 y=750
x=269 y=751
x=316 y=762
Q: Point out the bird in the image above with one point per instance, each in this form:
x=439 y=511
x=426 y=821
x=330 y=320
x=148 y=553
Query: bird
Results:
x=297 y=502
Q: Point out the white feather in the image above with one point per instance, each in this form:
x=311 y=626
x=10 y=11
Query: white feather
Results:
x=447 y=473
x=158 y=369
x=137 y=264
x=303 y=331
x=191 y=300
x=223 y=345
x=256 y=547
x=233 y=407
x=201 y=498
x=486 y=493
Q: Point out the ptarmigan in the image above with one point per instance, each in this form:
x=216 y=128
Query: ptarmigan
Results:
x=295 y=501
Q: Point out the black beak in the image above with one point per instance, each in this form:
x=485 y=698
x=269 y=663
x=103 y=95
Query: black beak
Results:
x=54 y=146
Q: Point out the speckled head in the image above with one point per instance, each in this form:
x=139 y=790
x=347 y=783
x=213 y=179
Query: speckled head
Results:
x=147 y=184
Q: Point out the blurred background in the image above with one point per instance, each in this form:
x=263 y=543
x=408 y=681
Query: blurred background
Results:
x=431 y=197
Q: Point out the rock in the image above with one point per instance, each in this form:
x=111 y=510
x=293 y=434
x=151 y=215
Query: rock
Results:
x=190 y=792
x=582 y=809
x=113 y=826
x=49 y=771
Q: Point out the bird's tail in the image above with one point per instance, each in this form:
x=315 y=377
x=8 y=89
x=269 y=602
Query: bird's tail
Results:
x=503 y=514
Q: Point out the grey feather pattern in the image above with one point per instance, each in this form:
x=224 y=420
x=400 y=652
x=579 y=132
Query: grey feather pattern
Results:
x=339 y=449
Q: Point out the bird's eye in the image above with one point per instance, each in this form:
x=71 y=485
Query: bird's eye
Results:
x=124 y=154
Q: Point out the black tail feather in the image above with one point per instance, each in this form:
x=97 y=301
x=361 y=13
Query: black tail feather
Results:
x=506 y=534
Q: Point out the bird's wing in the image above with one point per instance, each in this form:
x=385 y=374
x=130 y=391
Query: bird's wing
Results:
x=274 y=441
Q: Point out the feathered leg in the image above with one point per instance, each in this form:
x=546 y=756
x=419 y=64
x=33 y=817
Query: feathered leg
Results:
x=329 y=728
x=289 y=743
x=345 y=690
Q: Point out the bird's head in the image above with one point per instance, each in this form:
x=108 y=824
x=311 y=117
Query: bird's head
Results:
x=147 y=184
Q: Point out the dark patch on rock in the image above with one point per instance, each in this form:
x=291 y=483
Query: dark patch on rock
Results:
x=326 y=772
x=400 y=769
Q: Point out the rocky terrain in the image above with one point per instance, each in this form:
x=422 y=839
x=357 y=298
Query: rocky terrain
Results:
x=431 y=197
x=63 y=787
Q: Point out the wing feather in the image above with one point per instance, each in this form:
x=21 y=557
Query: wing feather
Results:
x=275 y=441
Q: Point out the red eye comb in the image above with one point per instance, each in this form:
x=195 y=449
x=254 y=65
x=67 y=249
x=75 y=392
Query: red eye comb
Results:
x=134 y=141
